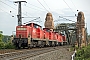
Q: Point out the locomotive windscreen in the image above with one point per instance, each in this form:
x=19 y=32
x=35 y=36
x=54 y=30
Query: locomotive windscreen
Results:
x=20 y=28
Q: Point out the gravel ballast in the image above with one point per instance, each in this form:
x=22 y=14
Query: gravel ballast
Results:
x=60 y=54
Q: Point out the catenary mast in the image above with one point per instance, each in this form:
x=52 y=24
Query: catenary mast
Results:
x=19 y=16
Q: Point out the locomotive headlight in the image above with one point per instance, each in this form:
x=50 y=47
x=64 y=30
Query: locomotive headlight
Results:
x=21 y=26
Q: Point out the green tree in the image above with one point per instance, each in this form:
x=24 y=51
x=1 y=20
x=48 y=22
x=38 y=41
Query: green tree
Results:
x=6 y=38
x=1 y=36
x=1 y=42
x=1 y=32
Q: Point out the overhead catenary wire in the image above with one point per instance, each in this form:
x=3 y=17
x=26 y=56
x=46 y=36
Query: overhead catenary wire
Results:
x=42 y=5
x=25 y=11
x=33 y=20
x=30 y=17
x=7 y=12
x=7 y=4
x=29 y=7
x=66 y=16
x=11 y=7
x=47 y=5
x=32 y=8
x=64 y=19
x=69 y=6
x=35 y=6
x=41 y=8
x=11 y=2
x=74 y=4
x=29 y=12
x=50 y=9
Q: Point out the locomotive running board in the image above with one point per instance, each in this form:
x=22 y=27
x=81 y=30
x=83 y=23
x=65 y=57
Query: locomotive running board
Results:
x=42 y=39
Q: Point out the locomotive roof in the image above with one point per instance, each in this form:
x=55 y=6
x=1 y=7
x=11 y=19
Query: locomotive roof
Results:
x=34 y=24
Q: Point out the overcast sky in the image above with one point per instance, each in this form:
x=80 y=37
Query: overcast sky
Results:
x=33 y=8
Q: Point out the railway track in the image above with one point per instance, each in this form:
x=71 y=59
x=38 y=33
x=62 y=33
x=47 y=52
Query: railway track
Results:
x=3 y=51
x=27 y=53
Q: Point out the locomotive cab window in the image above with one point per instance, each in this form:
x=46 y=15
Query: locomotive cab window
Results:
x=35 y=26
x=48 y=30
x=21 y=29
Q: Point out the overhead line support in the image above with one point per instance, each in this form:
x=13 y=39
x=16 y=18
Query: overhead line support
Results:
x=19 y=16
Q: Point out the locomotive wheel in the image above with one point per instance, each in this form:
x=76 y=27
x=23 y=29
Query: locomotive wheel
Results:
x=41 y=46
x=23 y=47
x=30 y=46
x=19 y=45
x=16 y=46
x=34 y=46
x=61 y=43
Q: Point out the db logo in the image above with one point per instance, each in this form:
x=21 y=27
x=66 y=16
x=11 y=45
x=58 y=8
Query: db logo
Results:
x=34 y=30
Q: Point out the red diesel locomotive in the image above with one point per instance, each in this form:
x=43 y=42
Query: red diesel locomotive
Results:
x=32 y=35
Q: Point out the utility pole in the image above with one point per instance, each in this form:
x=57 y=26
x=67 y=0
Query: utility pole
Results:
x=19 y=16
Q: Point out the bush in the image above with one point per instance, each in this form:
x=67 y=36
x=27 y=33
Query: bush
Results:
x=79 y=58
x=87 y=52
x=2 y=45
x=83 y=54
x=88 y=59
x=6 y=45
x=9 y=45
